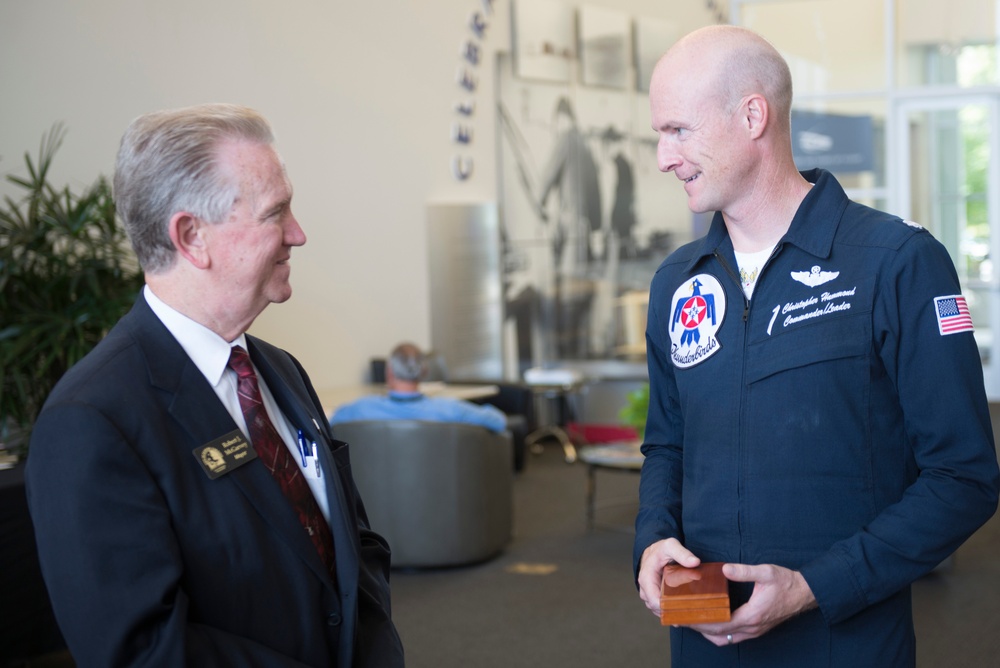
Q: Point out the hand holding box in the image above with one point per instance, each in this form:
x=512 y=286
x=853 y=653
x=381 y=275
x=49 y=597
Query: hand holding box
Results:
x=696 y=595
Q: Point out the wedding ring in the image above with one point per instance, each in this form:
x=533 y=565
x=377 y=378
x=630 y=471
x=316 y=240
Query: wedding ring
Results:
x=729 y=638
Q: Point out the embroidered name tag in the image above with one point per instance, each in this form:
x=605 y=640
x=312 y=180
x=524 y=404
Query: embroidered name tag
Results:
x=814 y=306
x=224 y=454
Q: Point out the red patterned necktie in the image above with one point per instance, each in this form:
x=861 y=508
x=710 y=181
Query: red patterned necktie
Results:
x=272 y=451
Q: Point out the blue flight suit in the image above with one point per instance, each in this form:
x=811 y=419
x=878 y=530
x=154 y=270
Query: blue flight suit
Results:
x=828 y=425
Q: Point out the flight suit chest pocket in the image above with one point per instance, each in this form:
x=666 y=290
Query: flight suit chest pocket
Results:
x=810 y=328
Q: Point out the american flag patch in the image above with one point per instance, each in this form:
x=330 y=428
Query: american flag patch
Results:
x=952 y=315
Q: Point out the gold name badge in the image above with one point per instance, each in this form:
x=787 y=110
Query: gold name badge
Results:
x=224 y=454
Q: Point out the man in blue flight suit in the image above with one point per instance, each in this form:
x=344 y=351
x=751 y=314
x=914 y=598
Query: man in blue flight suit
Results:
x=827 y=435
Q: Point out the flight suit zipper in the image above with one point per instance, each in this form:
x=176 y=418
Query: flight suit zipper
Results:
x=736 y=277
x=743 y=368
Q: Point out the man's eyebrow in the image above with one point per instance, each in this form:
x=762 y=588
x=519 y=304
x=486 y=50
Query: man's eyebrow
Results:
x=278 y=207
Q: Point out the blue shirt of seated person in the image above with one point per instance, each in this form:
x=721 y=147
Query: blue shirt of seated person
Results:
x=405 y=368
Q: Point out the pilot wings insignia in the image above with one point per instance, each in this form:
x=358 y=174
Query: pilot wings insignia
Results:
x=814 y=276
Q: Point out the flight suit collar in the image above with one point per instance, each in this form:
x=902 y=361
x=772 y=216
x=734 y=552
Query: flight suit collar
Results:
x=825 y=202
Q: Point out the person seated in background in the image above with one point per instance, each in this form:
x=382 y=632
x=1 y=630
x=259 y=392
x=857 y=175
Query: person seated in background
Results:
x=405 y=368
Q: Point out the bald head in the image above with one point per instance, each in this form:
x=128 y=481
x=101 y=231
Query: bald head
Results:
x=720 y=103
x=728 y=63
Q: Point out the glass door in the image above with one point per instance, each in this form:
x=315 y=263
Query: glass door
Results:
x=948 y=180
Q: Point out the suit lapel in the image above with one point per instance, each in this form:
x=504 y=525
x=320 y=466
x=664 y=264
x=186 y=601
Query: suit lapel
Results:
x=292 y=395
x=195 y=406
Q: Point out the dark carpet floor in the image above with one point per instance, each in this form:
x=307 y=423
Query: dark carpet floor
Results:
x=562 y=594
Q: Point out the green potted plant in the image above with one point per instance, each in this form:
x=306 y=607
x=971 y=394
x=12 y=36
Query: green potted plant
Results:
x=67 y=274
x=633 y=413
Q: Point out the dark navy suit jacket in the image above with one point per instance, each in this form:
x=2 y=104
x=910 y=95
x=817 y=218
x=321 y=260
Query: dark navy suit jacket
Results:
x=149 y=561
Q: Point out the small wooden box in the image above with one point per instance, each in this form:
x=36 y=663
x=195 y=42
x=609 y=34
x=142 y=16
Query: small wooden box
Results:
x=697 y=595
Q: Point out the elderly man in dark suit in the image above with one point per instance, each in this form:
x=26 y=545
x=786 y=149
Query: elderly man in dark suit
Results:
x=190 y=505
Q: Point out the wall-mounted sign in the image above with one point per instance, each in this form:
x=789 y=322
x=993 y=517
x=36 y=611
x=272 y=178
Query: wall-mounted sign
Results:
x=834 y=142
x=468 y=81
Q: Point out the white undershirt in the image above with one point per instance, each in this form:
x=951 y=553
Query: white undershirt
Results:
x=210 y=353
x=750 y=265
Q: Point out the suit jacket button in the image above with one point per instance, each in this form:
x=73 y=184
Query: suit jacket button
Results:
x=333 y=619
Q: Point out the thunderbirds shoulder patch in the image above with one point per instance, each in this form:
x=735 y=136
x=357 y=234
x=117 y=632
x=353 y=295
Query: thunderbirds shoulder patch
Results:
x=697 y=307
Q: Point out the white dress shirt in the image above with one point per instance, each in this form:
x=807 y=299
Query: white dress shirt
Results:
x=210 y=353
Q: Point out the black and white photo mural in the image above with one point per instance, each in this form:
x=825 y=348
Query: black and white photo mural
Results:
x=585 y=215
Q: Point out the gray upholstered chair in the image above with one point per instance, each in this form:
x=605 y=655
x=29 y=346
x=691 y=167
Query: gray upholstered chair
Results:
x=440 y=493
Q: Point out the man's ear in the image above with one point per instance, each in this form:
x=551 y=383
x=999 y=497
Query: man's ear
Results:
x=187 y=233
x=755 y=114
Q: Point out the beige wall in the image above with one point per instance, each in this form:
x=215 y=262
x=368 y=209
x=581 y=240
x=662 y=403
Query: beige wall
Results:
x=361 y=95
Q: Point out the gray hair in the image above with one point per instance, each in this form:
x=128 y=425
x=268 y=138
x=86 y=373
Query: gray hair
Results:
x=167 y=162
x=407 y=362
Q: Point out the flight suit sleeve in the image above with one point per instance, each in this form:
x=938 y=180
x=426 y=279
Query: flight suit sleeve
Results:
x=946 y=474
x=659 y=514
